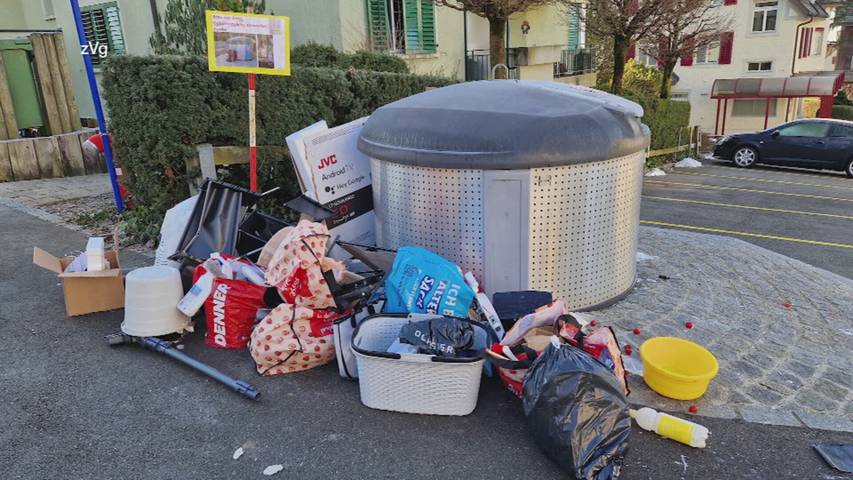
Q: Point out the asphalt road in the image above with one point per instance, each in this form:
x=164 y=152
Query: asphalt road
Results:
x=807 y=215
x=73 y=408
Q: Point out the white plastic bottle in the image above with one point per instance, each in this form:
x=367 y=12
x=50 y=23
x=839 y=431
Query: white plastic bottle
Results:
x=678 y=429
x=192 y=302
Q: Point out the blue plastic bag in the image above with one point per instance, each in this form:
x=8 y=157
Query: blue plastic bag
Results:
x=423 y=282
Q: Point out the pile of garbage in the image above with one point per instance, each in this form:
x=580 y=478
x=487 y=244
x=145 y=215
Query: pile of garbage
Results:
x=414 y=330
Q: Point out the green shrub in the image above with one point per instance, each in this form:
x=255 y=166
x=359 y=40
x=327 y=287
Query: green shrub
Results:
x=316 y=55
x=842 y=98
x=842 y=112
x=668 y=120
x=161 y=107
x=641 y=80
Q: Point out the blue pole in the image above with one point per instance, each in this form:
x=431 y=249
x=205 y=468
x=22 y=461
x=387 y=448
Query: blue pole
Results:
x=99 y=112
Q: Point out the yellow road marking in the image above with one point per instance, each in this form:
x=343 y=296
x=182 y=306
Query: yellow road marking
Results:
x=767 y=180
x=717 y=187
x=763 y=209
x=746 y=234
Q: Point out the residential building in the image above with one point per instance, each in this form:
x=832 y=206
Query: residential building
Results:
x=767 y=39
x=544 y=44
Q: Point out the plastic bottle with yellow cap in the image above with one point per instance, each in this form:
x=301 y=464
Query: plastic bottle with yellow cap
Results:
x=678 y=429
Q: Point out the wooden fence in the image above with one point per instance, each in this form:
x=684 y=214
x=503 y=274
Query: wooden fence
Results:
x=693 y=144
x=53 y=83
x=47 y=157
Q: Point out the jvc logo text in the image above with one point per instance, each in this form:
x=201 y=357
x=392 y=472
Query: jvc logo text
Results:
x=95 y=49
x=328 y=161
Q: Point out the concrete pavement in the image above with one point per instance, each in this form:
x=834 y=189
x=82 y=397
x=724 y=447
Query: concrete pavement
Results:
x=73 y=408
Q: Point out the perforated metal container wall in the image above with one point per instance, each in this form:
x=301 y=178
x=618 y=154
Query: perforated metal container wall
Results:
x=584 y=222
x=438 y=208
x=529 y=185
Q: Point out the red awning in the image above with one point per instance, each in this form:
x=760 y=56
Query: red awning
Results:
x=819 y=85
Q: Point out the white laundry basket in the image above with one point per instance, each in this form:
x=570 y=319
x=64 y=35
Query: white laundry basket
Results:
x=414 y=383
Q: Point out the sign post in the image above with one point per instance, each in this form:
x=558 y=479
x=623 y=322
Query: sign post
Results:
x=252 y=44
x=99 y=111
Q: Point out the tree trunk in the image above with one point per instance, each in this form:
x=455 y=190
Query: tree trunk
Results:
x=497 y=45
x=666 y=78
x=620 y=50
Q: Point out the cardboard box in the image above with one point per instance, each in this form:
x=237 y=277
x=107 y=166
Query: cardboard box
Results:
x=86 y=292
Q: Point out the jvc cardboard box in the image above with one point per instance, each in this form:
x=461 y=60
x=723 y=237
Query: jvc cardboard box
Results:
x=86 y=292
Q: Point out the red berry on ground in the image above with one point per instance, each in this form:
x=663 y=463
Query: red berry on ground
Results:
x=628 y=349
x=693 y=409
x=593 y=323
x=787 y=306
x=636 y=331
x=688 y=325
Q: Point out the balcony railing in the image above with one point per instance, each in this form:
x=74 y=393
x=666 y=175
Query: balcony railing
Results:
x=478 y=65
x=575 y=61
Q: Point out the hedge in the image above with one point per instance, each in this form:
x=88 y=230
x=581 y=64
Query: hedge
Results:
x=161 y=107
x=667 y=119
x=842 y=112
x=316 y=55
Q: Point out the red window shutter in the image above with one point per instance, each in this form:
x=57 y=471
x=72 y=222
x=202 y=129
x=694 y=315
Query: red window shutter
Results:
x=687 y=52
x=809 y=46
x=632 y=52
x=730 y=2
x=633 y=6
x=662 y=52
x=804 y=38
x=727 y=40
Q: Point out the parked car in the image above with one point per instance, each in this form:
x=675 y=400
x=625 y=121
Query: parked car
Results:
x=811 y=143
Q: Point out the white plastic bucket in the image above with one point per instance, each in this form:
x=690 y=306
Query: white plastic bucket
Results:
x=150 y=302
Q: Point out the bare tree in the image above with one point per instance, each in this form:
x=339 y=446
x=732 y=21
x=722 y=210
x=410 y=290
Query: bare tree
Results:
x=692 y=25
x=497 y=12
x=627 y=22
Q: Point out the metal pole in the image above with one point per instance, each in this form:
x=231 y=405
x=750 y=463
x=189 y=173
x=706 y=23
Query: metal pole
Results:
x=766 y=113
x=99 y=111
x=253 y=153
x=725 y=109
x=465 y=41
x=717 y=119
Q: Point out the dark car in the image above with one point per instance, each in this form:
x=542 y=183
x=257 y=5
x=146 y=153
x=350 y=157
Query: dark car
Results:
x=811 y=143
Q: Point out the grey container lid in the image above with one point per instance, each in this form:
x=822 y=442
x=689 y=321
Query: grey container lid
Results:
x=504 y=124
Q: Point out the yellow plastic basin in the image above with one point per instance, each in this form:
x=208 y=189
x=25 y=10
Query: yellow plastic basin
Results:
x=677 y=368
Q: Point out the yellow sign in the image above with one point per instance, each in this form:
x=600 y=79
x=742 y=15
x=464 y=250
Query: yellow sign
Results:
x=248 y=43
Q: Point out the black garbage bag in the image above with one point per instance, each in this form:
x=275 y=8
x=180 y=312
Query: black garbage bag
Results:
x=577 y=411
x=440 y=336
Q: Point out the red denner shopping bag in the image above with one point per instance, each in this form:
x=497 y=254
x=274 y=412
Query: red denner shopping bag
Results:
x=230 y=310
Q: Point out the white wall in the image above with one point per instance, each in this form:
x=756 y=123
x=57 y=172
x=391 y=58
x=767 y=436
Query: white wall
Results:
x=749 y=46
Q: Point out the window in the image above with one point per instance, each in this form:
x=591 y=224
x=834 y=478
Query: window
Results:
x=805 y=129
x=841 y=131
x=817 y=41
x=764 y=16
x=753 y=108
x=708 y=53
x=103 y=26
x=759 y=66
x=47 y=8
x=402 y=26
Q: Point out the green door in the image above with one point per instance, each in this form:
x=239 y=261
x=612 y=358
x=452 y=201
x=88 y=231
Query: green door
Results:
x=22 y=85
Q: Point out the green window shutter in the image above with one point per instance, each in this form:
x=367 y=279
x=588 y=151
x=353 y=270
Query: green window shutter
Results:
x=377 y=24
x=574 y=29
x=411 y=18
x=102 y=25
x=428 y=26
x=113 y=26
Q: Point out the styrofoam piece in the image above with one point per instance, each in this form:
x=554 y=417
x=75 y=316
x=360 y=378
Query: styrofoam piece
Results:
x=170 y=232
x=150 y=303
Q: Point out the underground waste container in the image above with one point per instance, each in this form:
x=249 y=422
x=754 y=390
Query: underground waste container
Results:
x=530 y=185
